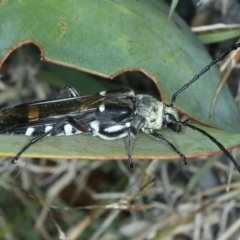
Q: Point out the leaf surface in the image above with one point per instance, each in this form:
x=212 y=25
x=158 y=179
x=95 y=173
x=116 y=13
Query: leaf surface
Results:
x=191 y=143
x=107 y=38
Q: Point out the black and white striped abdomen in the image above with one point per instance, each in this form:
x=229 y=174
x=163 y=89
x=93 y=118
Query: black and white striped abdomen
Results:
x=105 y=131
x=65 y=130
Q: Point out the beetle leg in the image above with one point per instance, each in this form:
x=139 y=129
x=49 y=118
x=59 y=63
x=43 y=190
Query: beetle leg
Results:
x=129 y=149
x=159 y=136
x=34 y=140
x=77 y=125
x=9 y=130
x=69 y=90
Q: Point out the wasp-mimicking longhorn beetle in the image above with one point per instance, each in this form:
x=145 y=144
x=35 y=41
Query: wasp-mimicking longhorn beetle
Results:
x=110 y=115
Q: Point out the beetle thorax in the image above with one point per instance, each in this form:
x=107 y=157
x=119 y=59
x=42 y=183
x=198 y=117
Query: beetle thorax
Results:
x=151 y=109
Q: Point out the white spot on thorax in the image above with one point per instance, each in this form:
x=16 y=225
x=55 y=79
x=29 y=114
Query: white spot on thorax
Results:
x=29 y=131
x=102 y=107
x=103 y=93
x=114 y=128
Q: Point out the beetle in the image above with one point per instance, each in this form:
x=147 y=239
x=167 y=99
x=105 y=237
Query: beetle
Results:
x=109 y=115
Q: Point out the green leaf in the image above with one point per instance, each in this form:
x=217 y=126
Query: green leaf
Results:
x=189 y=142
x=108 y=37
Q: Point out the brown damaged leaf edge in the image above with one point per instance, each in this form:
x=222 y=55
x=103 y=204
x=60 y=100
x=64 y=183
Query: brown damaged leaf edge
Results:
x=16 y=46
x=44 y=58
x=114 y=157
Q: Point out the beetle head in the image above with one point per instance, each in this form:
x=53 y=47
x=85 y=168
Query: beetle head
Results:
x=171 y=119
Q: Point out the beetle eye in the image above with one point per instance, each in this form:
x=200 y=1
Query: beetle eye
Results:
x=172 y=123
x=176 y=127
x=169 y=118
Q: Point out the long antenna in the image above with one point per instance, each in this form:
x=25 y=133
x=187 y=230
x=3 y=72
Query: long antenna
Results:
x=204 y=70
x=227 y=153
